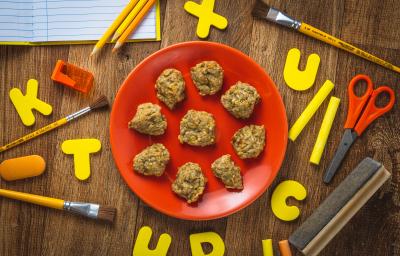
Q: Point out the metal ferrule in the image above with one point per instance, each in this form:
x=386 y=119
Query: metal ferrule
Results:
x=85 y=209
x=78 y=114
x=281 y=18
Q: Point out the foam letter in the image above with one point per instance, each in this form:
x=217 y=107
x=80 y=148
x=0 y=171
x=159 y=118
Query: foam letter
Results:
x=24 y=104
x=207 y=17
x=141 y=247
x=296 y=79
x=285 y=189
x=81 y=149
x=207 y=237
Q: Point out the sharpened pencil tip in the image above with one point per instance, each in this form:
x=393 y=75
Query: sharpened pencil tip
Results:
x=115 y=37
x=94 y=51
x=117 y=46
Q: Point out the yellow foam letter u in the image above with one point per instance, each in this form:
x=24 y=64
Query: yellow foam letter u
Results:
x=141 y=247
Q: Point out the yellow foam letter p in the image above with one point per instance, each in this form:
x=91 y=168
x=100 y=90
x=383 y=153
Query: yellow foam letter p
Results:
x=24 y=104
x=141 y=247
x=207 y=237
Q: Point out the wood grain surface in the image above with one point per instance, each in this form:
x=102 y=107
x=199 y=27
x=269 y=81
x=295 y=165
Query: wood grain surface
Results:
x=375 y=230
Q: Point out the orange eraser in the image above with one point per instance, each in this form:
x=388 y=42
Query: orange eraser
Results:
x=22 y=167
x=72 y=76
x=284 y=248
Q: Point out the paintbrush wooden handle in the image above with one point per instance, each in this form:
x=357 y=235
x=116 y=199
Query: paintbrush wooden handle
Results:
x=33 y=199
x=34 y=134
x=322 y=36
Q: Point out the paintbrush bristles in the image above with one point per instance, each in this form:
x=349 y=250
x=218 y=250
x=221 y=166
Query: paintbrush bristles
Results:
x=106 y=213
x=260 y=9
x=101 y=102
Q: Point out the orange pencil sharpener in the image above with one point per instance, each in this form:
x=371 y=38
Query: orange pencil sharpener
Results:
x=72 y=76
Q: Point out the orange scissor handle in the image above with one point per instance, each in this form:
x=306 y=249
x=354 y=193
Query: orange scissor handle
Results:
x=356 y=104
x=372 y=112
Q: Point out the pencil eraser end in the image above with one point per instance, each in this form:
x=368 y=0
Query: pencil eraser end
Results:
x=22 y=167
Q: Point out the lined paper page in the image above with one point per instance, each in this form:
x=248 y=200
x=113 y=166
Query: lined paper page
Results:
x=16 y=20
x=82 y=20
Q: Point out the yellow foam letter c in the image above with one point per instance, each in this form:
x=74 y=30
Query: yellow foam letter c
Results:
x=285 y=189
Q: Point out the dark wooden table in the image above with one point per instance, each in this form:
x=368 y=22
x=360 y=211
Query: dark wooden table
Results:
x=31 y=230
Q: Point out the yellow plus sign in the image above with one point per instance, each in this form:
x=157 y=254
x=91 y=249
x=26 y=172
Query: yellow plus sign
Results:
x=207 y=16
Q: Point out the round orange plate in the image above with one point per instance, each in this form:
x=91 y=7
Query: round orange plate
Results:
x=216 y=201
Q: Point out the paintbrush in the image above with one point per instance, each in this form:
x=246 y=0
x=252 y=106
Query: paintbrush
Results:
x=93 y=211
x=97 y=104
x=263 y=11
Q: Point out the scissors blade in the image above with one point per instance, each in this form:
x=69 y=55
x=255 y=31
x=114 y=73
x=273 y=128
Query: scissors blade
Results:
x=348 y=138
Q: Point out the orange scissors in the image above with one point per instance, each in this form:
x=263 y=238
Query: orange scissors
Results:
x=362 y=112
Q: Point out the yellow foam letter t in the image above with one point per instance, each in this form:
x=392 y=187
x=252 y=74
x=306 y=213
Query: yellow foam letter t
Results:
x=207 y=237
x=81 y=150
x=141 y=247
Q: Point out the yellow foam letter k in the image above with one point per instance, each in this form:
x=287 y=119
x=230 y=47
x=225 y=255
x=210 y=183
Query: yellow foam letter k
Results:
x=141 y=247
x=24 y=104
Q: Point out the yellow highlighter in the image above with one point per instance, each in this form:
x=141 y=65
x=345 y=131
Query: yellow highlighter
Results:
x=324 y=130
x=128 y=20
x=267 y=247
x=310 y=110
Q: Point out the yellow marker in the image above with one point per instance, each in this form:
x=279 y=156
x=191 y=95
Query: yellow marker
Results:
x=296 y=79
x=310 y=110
x=22 y=167
x=207 y=17
x=113 y=26
x=24 y=104
x=285 y=189
x=141 y=247
x=267 y=247
x=81 y=149
x=324 y=130
x=128 y=19
x=207 y=237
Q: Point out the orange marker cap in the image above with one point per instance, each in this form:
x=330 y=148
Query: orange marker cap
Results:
x=22 y=167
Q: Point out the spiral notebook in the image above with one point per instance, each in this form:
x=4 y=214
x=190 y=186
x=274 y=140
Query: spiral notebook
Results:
x=42 y=22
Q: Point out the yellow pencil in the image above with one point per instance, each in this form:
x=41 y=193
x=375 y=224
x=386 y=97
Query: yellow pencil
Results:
x=128 y=20
x=134 y=24
x=114 y=26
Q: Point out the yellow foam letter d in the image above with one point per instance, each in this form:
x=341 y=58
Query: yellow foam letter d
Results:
x=81 y=150
x=207 y=237
x=141 y=247
x=24 y=104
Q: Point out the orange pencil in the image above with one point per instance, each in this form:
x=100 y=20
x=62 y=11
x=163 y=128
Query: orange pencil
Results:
x=134 y=24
